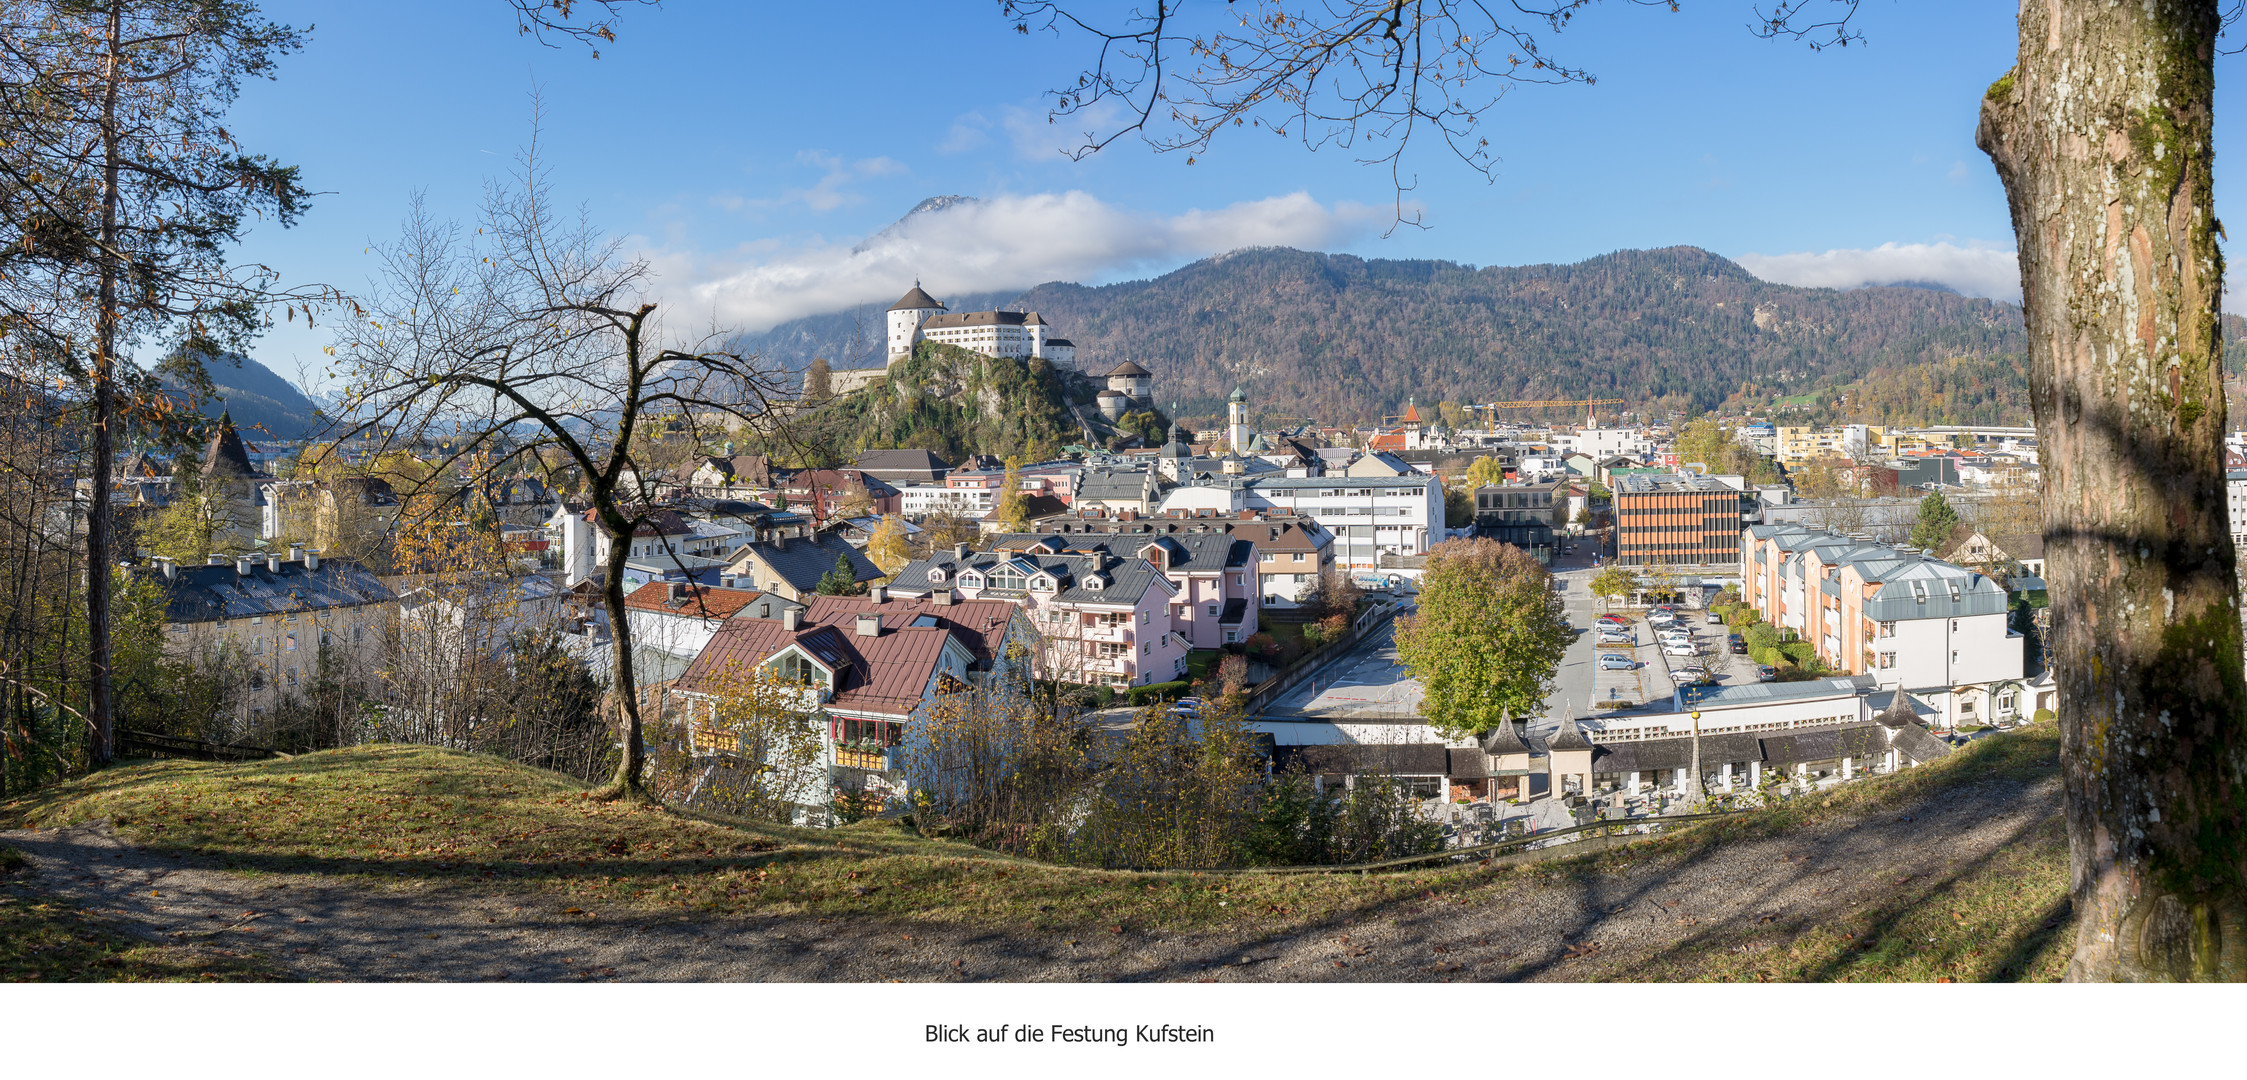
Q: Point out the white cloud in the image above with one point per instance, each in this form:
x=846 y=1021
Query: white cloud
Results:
x=968 y=133
x=1010 y=242
x=1973 y=270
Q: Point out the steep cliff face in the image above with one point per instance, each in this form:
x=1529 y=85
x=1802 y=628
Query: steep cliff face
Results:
x=954 y=402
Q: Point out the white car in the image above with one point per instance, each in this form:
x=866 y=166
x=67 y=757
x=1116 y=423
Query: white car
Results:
x=1678 y=648
x=1670 y=637
x=1688 y=674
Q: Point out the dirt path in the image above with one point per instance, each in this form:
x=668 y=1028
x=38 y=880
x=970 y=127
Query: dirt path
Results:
x=1648 y=918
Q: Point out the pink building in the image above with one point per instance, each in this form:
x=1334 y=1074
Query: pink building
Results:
x=1099 y=619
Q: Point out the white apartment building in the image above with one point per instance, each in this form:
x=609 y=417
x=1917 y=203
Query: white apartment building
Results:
x=1369 y=516
x=2235 y=486
x=1938 y=630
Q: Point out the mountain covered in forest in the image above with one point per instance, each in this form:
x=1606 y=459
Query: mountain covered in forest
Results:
x=261 y=403
x=1343 y=337
x=953 y=402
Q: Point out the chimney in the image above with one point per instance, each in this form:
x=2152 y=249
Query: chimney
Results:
x=878 y=594
x=312 y=558
x=296 y=552
x=214 y=559
x=245 y=565
x=272 y=562
x=169 y=566
x=941 y=596
x=959 y=551
x=790 y=619
x=675 y=592
x=869 y=624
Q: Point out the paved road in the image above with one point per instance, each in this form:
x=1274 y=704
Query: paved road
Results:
x=1367 y=682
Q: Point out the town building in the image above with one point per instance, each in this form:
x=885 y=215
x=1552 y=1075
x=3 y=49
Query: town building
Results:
x=902 y=467
x=1908 y=619
x=1021 y=335
x=679 y=617
x=793 y=567
x=1292 y=553
x=1524 y=515
x=273 y=621
x=1213 y=574
x=1100 y=619
x=1369 y=516
x=1675 y=518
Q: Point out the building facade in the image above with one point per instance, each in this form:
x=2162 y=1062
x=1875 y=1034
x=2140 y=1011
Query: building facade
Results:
x=918 y=317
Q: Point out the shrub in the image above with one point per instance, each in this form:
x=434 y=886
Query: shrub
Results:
x=1801 y=652
x=2042 y=715
x=1141 y=695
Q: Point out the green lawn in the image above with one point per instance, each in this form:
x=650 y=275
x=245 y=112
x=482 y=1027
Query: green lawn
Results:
x=390 y=814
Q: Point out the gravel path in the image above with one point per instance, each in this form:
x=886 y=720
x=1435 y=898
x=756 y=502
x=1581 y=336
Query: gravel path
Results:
x=1535 y=927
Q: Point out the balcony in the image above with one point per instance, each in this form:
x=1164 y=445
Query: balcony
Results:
x=855 y=758
x=1119 y=633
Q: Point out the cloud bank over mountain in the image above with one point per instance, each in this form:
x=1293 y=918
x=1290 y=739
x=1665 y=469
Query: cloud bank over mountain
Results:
x=1972 y=271
x=953 y=245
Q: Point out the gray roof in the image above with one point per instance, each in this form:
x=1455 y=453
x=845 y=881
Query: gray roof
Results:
x=1117 y=484
x=1398 y=759
x=225 y=455
x=915 y=299
x=1764 y=693
x=801 y=562
x=209 y=593
x=1290 y=483
x=1190 y=553
x=901 y=464
x=1127 y=368
x=1569 y=737
x=1127 y=579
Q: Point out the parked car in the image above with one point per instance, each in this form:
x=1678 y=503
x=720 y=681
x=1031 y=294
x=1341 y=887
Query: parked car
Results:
x=1678 y=634
x=1616 y=639
x=1738 y=645
x=1688 y=675
x=1616 y=662
x=1678 y=648
x=1766 y=673
x=1715 y=619
x=1619 y=620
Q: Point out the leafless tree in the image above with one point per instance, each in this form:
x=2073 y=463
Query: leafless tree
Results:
x=532 y=333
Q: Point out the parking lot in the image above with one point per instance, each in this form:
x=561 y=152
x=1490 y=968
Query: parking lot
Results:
x=1649 y=677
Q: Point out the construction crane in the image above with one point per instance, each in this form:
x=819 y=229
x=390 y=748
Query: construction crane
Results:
x=1588 y=404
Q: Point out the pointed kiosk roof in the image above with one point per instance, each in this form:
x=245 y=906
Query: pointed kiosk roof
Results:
x=225 y=455
x=1504 y=739
x=1569 y=737
x=1899 y=711
x=1411 y=412
x=915 y=299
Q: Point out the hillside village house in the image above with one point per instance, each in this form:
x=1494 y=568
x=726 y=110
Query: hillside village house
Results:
x=1908 y=619
x=793 y=567
x=1214 y=575
x=271 y=619
x=1117 y=490
x=871 y=666
x=1292 y=553
x=831 y=493
x=680 y=617
x=1104 y=620
x=731 y=477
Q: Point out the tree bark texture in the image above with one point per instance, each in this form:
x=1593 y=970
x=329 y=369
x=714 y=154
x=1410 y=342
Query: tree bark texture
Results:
x=100 y=706
x=2102 y=136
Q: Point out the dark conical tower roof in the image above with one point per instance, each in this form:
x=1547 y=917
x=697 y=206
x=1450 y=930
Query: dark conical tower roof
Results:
x=226 y=456
x=915 y=300
x=1569 y=737
x=1504 y=739
x=1899 y=711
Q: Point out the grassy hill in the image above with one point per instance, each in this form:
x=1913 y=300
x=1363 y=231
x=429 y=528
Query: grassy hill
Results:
x=388 y=816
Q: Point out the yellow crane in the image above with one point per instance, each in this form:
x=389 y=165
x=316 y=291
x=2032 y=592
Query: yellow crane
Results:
x=1588 y=405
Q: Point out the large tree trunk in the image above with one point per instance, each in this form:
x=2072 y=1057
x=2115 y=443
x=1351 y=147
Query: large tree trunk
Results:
x=2101 y=134
x=627 y=784
x=100 y=708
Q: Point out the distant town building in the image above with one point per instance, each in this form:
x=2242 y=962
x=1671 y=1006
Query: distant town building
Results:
x=1675 y=518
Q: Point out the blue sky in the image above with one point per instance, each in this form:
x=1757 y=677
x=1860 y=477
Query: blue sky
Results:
x=746 y=149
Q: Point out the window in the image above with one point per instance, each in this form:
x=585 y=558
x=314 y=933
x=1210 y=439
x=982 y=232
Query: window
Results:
x=257 y=645
x=1142 y=618
x=290 y=643
x=1887 y=660
x=292 y=676
x=358 y=634
x=1236 y=579
x=1212 y=611
x=1268 y=557
x=1146 y=648
x=1888 y=629
x=1232 y=636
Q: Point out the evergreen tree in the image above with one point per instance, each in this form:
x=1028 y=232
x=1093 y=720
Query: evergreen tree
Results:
x=842 y=580
x=1936 y=520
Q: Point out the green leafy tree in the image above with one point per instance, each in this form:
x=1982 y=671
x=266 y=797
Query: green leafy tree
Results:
x=1936 y=520
x=1613 y=583
x=1458 y=508
x=1489 y=633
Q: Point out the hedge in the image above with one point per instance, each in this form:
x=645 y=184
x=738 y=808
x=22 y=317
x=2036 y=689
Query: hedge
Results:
x=1801 y=652
x=1141 y=695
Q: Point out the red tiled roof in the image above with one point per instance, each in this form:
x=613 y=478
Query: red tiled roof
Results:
x=886 y=674
x=980 y=624
x=699 y=601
